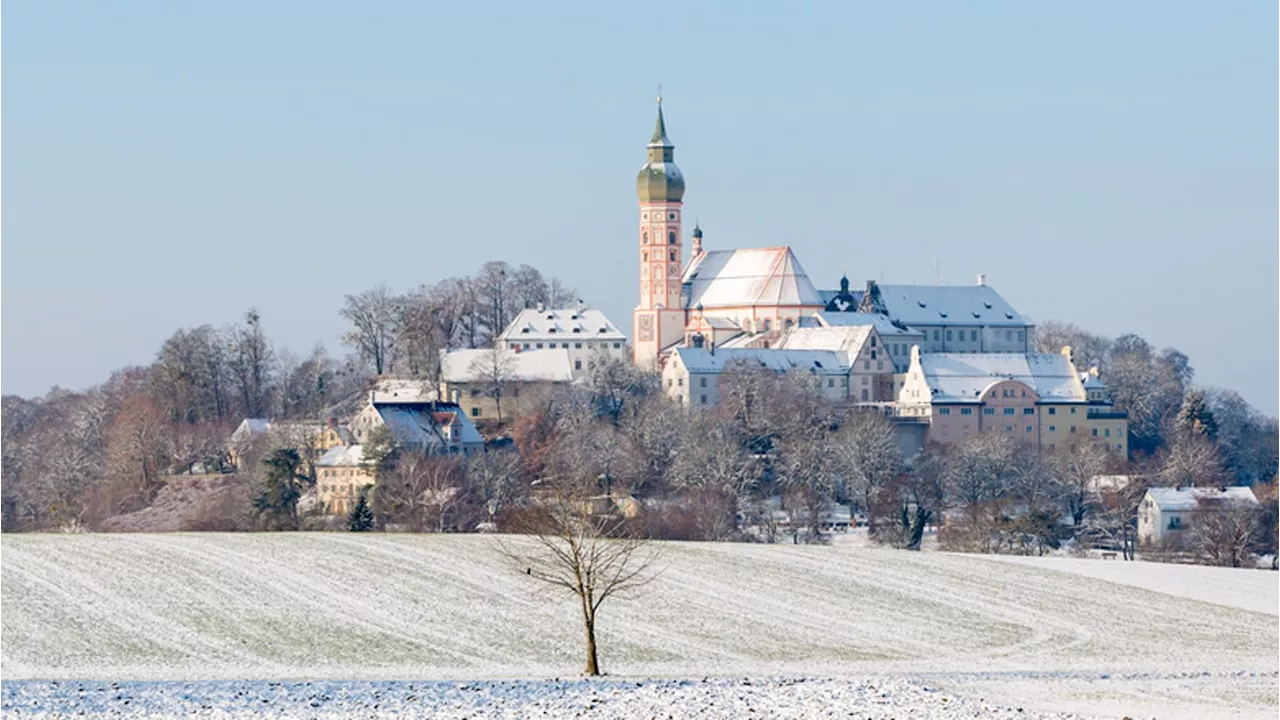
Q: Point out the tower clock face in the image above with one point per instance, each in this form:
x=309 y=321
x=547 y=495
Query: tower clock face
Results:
x=673 y=269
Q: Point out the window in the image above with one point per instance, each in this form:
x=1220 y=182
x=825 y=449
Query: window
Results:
x=644 y=256
x=831 y=382
x=703 y=399
x=702 y=382
x=1095 y=432
x=1073 y=429
x=880 y=365
x=644 y=239
x=671 y=237
x=539 y=346
x=866 y=364
x=864 y=395
x=1028 y=411
x=864 y=380
x=475 y=392
x=1053 y=429
x=1028 y=428
x=944 y=411
x=1073 y=411
x=475 y=412
x=1010 y=411
x=1022 y=335
x=525 y=346
x=935 y=336
x=617 y=346
x=966 y=411
x=564 y=346
x=1053 y=411
x=873 y=341
x=988 y=411
x=1008 y=428
x=515 y=392
x=1175 y=522
x=1119 y=432
x=973 y=335
x=577 y=364
x=670 y=382
x=577 y=346
x=873 y=354
x=680 y=382
x=948 y=335
x=1008 y=335
x=1107 y=432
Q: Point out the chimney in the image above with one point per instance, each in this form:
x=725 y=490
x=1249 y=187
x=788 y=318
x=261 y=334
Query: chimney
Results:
x=711 y=347
x=541 y=306
x=982 y=280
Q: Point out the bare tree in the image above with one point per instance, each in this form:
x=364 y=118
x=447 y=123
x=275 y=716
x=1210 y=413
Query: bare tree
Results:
x=1192 y=459
x=252 y=365
x=375 y=317
x=496 y=476
x=493 y=370
x=592 y=555
x=1074 y=469
x=713 y=470
x=870 y=456
x=1226 y=533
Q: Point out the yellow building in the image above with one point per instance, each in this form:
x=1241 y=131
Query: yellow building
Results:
x=477 y=380
x=339 y=478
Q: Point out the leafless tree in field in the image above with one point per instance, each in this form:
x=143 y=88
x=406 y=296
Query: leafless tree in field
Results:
x=870 y=456
x=579 y=546
x=1074 y=470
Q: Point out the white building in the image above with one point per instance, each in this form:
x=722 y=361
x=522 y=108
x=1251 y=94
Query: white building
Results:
x=428 y=427
x=585 y=334
x=1166 y=513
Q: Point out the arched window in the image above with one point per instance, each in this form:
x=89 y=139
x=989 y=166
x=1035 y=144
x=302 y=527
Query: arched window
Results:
x=671 y=237
x=672 y=255
x=644 y=237
x=768 y=325
x=788 y=323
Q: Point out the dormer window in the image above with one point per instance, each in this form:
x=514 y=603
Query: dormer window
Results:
x=524 y=330
x=986 y=305
x=920 y=303
x=577 y=329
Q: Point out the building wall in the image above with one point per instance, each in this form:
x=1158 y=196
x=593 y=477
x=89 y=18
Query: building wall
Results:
x=338 y=487
x=479 y=405
x=977 y=339
x=583 y=351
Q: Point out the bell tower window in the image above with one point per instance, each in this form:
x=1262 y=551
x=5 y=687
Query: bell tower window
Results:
x=644 y=237
x=672 y=255
x=671 y=237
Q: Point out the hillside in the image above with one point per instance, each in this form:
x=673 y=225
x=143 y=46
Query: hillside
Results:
x=369 y=607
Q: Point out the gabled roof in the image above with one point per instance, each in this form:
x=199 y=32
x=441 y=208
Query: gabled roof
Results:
x=548 y=365
x=341 y=456
x=931 y=305
x=821 y=362
x=750 y=277
x=1196 y=498
x=560 y=325
x=962 y=377
x=415 y=423
x=885 y=326
x=848 y=340
x=250 y=428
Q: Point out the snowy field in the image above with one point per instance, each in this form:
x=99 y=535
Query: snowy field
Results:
x=937 y=634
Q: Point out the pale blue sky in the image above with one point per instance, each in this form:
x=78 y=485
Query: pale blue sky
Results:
x=169 y=164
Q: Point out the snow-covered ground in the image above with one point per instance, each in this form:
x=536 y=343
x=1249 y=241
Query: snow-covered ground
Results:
x=347 y=607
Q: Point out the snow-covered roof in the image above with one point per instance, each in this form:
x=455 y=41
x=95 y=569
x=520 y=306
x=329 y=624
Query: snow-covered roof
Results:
x=404 y=389
x=415 y=423
x=848 y=340
x=747 y=278
x=250 y=428
x=1091 y=381
x=931 y=305
x=822 y=362
x=961 y=377
x=1185 y=499
x=577 y=323
x=549 y=365
x=341 y=456
x=883 y=325
x=720 y=323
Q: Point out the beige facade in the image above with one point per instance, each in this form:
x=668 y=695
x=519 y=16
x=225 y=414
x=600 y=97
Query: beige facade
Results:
x=339 y=478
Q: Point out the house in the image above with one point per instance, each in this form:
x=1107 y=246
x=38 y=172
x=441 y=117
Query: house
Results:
x=1166 y=514
x=478 y=379
x=428 y=427
x=692 y=375
x=339 y=477
x=311 y=438
x=584 y=333
x=1038 y=398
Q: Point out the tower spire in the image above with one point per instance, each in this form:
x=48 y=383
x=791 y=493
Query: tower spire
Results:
x=660 y=128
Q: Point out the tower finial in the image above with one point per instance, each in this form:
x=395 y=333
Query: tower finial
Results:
x=660 y=128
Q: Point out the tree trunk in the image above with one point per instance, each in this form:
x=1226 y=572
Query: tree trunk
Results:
x=589 y=624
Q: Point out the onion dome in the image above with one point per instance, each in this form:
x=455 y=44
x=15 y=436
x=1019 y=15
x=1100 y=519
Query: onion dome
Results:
x=660 y=180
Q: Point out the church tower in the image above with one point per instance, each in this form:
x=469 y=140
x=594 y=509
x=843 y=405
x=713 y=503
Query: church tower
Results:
x=659 y=318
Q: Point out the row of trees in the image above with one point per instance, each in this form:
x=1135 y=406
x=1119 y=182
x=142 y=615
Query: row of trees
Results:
x=404 y=333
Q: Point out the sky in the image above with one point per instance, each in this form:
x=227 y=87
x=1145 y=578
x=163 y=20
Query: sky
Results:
x=172 y=164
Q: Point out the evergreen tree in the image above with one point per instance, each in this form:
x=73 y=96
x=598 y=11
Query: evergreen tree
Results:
x=360 y=519
x=1196 y=418
x=276 y=500
x=380 y=453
